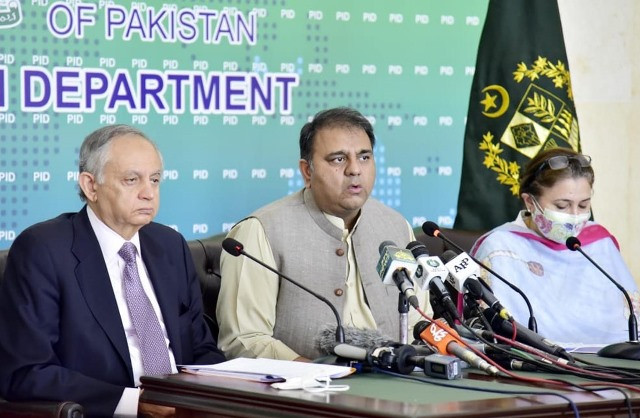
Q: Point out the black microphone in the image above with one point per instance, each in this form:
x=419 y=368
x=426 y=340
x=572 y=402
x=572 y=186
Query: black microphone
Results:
x=400 y=358
x=478 y=292
x=235 y=248
x=626 y=350
x=523 y=334
x=431 y=229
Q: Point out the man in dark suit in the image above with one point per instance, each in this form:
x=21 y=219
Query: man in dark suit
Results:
x=93 y=300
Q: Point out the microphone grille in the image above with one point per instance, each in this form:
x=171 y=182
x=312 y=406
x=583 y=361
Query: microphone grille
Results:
x=448 y=256
x=573 y=243
x=384 y=245
x=418 y=328
x=430 y=228
x=475 y=288
x=232 y=246
x=417 y=248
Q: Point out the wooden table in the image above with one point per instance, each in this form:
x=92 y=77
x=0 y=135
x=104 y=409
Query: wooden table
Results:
x=373 y=395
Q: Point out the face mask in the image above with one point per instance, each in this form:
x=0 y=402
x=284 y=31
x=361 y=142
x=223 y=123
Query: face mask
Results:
x=558 y=226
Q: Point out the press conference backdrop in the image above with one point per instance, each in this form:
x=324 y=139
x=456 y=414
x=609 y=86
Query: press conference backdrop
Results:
x=224 y=87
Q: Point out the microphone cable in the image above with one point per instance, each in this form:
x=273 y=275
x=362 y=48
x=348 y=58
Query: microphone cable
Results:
x=441 y=383
x=555 y=366
x=608 y=385
x=432 y=229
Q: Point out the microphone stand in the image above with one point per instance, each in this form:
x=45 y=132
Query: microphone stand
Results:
x=403 y=311
x=234 y=248
x=625 y=350
x=433 y=231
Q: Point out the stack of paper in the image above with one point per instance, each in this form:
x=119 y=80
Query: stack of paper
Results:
x=269 y=370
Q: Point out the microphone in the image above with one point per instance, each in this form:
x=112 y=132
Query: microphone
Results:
x=396 y=266
x=235 y=248
x=478 y=292
x=439 y=339
x=429 y=267
x=519 y=365
x=464 y=271
x=366 y=338
x=626 y=350
x=432 y=273
x=431 y=229
x=400 y=358
x=523 y=334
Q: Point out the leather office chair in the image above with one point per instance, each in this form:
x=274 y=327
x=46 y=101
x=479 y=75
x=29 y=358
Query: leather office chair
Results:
x=436 y=246
x=206 y=257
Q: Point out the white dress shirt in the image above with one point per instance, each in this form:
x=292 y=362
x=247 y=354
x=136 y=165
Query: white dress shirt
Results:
x=110 y=243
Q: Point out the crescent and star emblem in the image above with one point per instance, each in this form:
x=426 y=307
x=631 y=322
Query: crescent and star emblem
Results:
x=489 y=100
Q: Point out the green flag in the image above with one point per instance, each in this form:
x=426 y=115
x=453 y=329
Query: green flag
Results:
x=521 y=103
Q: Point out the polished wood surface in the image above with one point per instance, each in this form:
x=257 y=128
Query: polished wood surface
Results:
x=373 y=395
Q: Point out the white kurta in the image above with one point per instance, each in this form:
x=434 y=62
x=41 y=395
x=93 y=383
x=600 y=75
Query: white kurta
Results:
x=573 y=302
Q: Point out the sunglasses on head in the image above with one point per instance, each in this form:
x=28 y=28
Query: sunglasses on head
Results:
x=560 y=162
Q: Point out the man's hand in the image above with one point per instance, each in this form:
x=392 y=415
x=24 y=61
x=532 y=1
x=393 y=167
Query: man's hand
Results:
x=147 y=410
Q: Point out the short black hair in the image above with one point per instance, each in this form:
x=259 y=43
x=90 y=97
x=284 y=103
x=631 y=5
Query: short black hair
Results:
x=340 y=117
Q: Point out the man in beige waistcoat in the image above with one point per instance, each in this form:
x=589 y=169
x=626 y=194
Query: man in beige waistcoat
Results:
x=326 y=237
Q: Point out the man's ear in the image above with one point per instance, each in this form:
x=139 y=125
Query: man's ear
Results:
x=305 y=170
x=87 y=183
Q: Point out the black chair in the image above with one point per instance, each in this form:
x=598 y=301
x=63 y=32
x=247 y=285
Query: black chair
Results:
x=436 y=246
x=206 y=257
x=41 y=409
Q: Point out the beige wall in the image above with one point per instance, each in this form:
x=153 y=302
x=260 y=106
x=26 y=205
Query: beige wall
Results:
x=602 y=38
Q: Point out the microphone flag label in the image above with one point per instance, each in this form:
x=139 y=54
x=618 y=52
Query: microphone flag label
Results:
x=392 y=259
x=437 y=333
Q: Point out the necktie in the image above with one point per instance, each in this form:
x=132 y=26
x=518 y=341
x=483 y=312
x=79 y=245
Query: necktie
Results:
x=155 y=355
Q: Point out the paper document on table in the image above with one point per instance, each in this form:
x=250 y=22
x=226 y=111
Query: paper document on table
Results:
x=269 y=370
x=582 y=348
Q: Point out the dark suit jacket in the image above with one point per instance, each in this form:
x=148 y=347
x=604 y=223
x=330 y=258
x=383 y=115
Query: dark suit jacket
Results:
x=61 y=336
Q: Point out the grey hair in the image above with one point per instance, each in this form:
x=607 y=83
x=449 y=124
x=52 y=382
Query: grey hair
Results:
x=94 y=151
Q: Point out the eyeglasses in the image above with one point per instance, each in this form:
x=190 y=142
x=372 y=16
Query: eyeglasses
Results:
x=560 y=162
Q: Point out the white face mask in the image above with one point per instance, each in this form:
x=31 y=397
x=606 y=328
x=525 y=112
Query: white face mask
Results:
x=558 y=226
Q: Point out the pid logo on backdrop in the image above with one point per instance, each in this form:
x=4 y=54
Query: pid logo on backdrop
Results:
x=10 y=13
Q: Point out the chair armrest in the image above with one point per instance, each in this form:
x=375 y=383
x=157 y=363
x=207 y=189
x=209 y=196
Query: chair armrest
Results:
x=41 y=409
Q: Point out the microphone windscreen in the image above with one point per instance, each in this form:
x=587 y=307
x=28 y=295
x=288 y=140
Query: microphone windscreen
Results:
x=384 y=245
x=232 y=246
x=417 y=249
x=364 y=338
x=573 y=243
x=430 y=228
x=448 y=256
x=418 y=328
x=475 y=288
